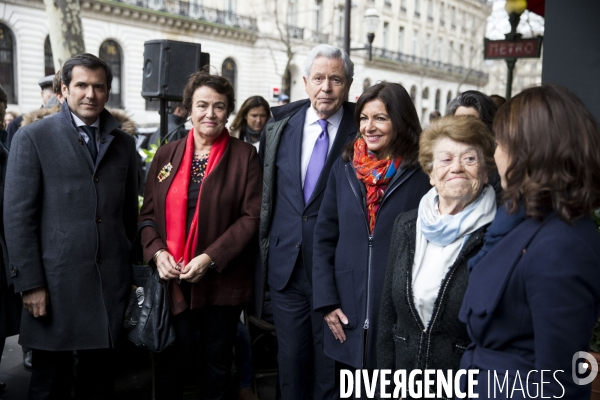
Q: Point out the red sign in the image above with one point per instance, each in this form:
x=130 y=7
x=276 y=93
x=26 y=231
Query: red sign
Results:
x=522 y=48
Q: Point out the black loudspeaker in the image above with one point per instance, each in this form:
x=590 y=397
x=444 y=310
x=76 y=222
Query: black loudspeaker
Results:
x=167 y=67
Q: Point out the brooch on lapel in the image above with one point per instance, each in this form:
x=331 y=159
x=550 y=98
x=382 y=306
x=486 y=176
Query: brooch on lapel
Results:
x=165 y=172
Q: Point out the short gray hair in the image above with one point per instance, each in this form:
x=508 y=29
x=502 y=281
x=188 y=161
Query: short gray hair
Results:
x=327 y=51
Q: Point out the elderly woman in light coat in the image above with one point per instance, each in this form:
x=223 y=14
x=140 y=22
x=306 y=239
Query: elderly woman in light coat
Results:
x=427 y=269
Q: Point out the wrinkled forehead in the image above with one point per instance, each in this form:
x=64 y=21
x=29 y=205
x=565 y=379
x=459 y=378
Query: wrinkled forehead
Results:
x=447 y=146
x=328 y=66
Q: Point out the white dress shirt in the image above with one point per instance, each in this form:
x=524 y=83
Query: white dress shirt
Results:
x=84 y=136
x=311 y=132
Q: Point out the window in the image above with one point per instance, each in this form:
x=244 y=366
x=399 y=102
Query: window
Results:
x=448 y=97
x=110 y=52
x=442 y=16
x=417 y=8
x=318 y=15
x=401 y=39
x=386 y=34
x=48 y=60
x=461 y=55
x=366 y=84
x=403 y=6
x=438 y=94
x=430 y=10
x=415 y=41
x=450 y=52
x=453 y=17
x=427 y=45
x=7 y=67
x=232 y=6
x=439 y=50
x=292 y=16
x=425 y=94
x=229 y=71
x=413 y=93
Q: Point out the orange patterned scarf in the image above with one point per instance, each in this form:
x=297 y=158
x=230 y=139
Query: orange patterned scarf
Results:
x=375 y=174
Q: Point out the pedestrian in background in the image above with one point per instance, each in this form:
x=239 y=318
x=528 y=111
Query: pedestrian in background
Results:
x=250 y=120
x=534 y=289
x=69 y=249
x=377 y=177
x=203 y=193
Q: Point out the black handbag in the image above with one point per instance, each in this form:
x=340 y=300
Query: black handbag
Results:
x=148 y=316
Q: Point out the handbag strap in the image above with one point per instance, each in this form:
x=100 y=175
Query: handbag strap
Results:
x=137 y=255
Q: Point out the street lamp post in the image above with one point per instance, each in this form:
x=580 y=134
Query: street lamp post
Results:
x=514 y=8
x=371 y=21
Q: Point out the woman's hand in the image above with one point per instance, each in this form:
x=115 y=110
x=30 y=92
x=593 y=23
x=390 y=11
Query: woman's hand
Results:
x=196 y=269
x=333 y=320
x=167 y=267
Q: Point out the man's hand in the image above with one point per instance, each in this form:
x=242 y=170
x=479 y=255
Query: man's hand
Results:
x=36 y=301
x=333 y=321
x=196 y=268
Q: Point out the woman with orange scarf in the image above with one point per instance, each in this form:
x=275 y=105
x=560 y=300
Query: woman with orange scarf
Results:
x=203 y=192
x=377 y=178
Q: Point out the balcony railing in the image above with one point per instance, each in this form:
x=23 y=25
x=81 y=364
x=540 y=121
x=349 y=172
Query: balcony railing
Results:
x=438 y=65
x=196 y=11
x=295 y=33
x=319 y=37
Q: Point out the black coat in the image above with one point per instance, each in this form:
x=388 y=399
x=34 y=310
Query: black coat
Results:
x=349 y=263
x=403 y=342
x=10 y=302
x=71 y=224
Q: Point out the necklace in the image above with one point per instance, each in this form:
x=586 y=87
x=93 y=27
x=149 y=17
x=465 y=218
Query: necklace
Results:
x=199 y=167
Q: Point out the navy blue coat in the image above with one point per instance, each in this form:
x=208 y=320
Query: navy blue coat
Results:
x=344 y=249
x=531 y=303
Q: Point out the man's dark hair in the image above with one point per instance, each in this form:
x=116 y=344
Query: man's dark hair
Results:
x=477 y=100
x=88 y=61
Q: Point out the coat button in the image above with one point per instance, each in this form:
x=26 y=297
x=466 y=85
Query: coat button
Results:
x=98 y=260
x=98 y=219
x=103 y=140
x=80 y=140
x=304 y=218
x=298 y=245
x=14 y=271
x=96 y=180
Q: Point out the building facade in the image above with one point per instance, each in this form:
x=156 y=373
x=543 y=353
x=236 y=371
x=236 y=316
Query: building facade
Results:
x=432 y=47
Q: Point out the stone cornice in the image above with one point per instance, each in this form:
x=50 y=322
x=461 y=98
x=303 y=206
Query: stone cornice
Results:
x=165 y=20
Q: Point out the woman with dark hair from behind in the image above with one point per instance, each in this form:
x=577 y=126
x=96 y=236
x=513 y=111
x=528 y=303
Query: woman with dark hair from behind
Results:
x=534 y=289
x=251 y=119
x=377 y=178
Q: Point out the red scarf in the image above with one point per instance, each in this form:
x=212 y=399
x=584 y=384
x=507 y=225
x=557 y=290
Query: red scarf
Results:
x=180 y=246
x=375 y=174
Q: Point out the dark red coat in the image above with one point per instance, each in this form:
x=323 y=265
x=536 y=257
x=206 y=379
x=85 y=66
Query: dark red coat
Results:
x=228 y=219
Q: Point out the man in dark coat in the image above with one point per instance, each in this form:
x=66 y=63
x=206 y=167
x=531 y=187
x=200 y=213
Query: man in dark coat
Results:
x=298 y=150
x=71 y=196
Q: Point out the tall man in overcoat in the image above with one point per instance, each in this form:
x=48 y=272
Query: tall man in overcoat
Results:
x=70 y=215
x=297 y=150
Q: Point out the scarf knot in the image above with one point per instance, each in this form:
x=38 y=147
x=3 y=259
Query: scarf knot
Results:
x=375 y=174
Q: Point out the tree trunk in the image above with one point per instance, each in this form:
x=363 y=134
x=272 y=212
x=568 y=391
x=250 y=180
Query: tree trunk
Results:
x=66 y=34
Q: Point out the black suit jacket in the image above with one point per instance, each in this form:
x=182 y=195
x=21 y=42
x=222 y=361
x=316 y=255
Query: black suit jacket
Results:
x=288 y=227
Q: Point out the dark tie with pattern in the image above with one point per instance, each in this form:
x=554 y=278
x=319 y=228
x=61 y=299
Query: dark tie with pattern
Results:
x=91 y=133
x=317 y=161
